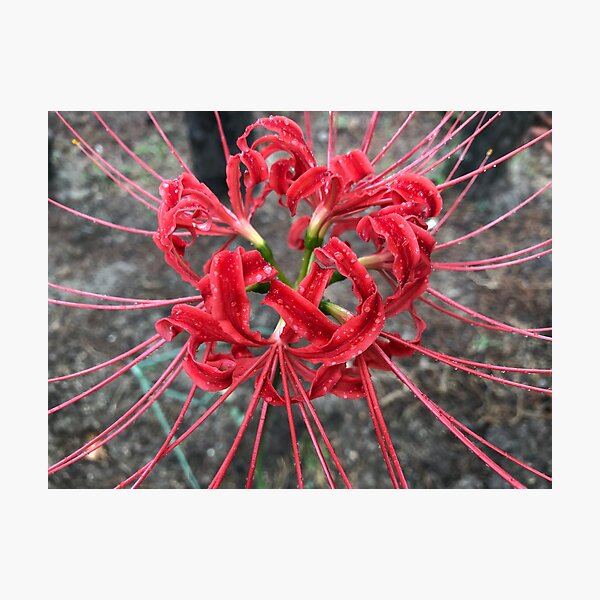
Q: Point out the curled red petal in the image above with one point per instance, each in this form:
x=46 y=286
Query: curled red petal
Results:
x=281 y=175
x=255 y=270
x=188 y=207
x=312 y=288
x=233 y=185
x=307 y=184
x=269 y=394
x=338 y=253
x=272 y=396
x=351 y=339
x=283 y=126
x=350 y=385
x=170 y=192
x=211 y=376
x=326 y=377
x=173 y=249
x=395 y=346
x=407 y=243
x=168 y=328
x=296 y=232
x=340 y=380
x=420 y=191
x=258 y=170
x=400 y=240
x=239 y=351
x=199 y=192
x=195 y=321
x=287 y=137
x=404 y=296
x=230 y=304
x=299 y=313
x=176 y=213
x=426 y=240
x=352 y=167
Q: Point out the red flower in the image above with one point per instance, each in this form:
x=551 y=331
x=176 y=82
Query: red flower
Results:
x=190 y=209
x=224 y=316
x=318 y=347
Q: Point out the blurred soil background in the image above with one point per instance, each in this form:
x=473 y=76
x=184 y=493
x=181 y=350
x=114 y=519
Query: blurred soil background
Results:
x=91 y=257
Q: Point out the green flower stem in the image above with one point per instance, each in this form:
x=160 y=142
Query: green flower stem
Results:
x=259 y=288
x=246 y=230
x=339 y=313
x=337 y=276
x=267 y=254
x=311 y=241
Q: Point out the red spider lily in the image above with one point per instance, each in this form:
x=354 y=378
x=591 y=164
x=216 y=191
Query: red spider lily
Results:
x=225 y=317
x=190 y=206
x=319 y=348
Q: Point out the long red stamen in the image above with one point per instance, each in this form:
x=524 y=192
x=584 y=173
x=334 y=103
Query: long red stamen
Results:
x=496 y=449
x=168 y=439
x=369 y=133
x=218 y=478
x=112 y=361
x=457 y=202
x=106 y=381
x=316 y=446
x=101 y=221
x=502 y=159
x=307 y=130
x=473 y=313
x=222 y=136
x=494 y=259
x=464 y=361
x=464 y=145
x=393 y=138
x=106 y=166
x=138 y=306
x=430 y=150
x=378 y=417
x=120 y=183
x=288 y=406
x=127 y=149
x=482 y=267
x=372 y=182
x=441 y=416
x=167 y=141
x=158 y=302
x=459 y=364
x=125 y=420
x=313 y=414
x=210 y=411
x=495 y=222
x=332 y=138
x=254 y=457
x=501 y=327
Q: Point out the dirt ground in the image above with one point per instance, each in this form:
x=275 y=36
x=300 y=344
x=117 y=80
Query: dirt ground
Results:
x=90 y=257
